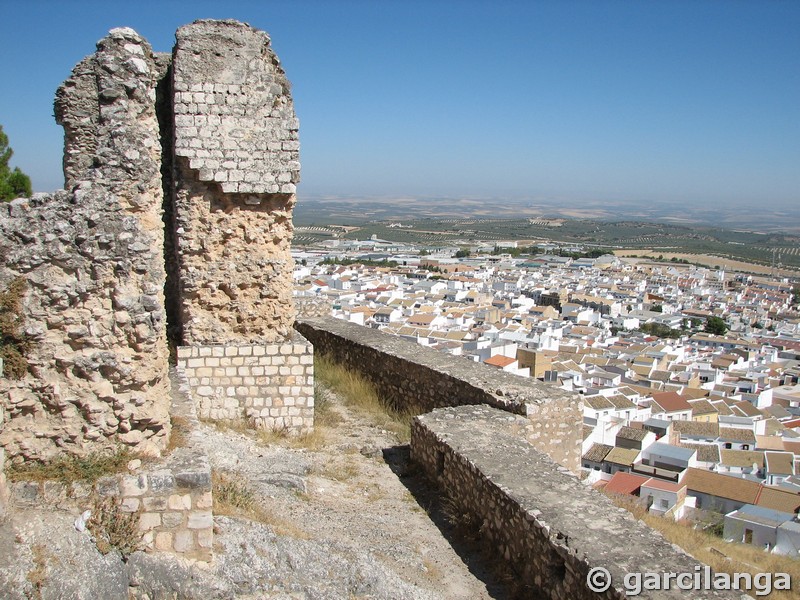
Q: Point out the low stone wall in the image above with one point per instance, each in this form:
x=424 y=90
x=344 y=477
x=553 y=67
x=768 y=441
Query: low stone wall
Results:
x=172 y=496
x=269 y=385
x=413 y=377
x=534 y=514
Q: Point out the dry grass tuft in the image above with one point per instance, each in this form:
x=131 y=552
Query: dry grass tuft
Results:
x=38 y=574
x=310 y=440
x=340 y=470
x=722 y=556
x=179 y=436
x=360 y=394
x=234 y=497
x=70 y=469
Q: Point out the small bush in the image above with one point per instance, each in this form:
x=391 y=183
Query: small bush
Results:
x=179 y=434
x=113 y=528
x=231 y=497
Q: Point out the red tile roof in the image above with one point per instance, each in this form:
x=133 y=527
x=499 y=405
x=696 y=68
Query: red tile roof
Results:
x=499 y=361
x=667 y=486
x=625 y=483
x=671 y=401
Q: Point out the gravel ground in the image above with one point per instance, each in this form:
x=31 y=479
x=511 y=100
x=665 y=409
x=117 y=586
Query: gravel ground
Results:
x=345 y=518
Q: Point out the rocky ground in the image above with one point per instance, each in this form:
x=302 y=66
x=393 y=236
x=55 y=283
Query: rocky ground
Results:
x=339 y=516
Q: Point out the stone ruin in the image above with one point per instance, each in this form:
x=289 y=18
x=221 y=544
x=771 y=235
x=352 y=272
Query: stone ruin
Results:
x=174 y=226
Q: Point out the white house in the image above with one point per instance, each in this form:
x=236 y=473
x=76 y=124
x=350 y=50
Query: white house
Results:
x=666 y=498
x=755 y=525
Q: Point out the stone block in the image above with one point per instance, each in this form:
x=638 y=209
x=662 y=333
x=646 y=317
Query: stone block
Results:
x=205 y=538
x=204 y=501
x=183 y=542
x=179 y=502
x=163 y=541
x=200 y=519
x=149 y=521
x=155 y=503
x=130 y=505
x=172 y=520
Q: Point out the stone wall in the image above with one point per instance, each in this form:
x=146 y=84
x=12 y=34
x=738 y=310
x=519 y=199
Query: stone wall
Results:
x=237 y=165
x=183 y=164
x=269 y=385
x=534 y=514
x=413 y=377
x=91 y=258
x=172 y=496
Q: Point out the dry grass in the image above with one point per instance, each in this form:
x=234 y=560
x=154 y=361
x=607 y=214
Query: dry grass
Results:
x=234 y=497
x=339 y=470
x=179 y=436
x=113 y=528
x=360 y=394
x=310 y=440
x=38 y=574
x=722 y=556
x=70 y=469
x=14 y=342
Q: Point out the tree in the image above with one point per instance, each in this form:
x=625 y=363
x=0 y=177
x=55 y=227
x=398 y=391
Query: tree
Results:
x=462 y=253
x=13 y=184
x=716 y=326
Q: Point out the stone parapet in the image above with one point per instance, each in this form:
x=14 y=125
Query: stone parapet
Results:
x=551 y=529
x=413 y=377
x=269 y=385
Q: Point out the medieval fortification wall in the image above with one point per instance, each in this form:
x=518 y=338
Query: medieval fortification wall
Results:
x=418 y=379
x=180 y=174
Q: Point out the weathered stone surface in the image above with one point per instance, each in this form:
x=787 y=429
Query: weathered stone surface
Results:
x=236 y=159
x=214 y=125
x=234 y=118
x=92 y=258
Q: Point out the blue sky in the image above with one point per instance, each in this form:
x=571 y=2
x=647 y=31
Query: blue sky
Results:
x=628 y=100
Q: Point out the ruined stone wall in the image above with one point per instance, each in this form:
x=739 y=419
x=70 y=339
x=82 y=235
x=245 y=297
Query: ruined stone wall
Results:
x=92 y=261
x=237 y=165
x=172 y=495
x=551 y=529
x=413 y=377
x=271 y=386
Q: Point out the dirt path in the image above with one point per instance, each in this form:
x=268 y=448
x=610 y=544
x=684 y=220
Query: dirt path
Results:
x=355 y=493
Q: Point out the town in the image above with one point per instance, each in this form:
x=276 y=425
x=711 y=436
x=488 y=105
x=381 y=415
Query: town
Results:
x=688 y=374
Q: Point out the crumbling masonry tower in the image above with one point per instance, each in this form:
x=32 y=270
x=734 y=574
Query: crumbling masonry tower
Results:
x=175 y=223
